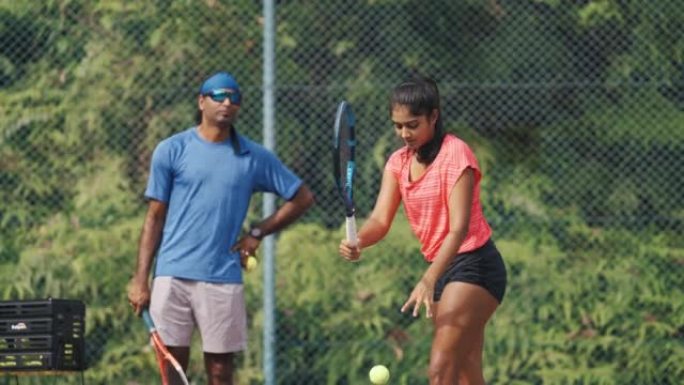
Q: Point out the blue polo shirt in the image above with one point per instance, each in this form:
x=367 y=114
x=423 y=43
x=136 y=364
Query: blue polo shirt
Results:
x=207 y=187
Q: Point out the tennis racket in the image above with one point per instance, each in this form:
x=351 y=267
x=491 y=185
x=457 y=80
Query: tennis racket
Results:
x=344 y=146
x=170 y=370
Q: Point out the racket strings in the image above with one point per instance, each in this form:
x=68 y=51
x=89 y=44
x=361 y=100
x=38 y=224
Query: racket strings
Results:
x=345 y=153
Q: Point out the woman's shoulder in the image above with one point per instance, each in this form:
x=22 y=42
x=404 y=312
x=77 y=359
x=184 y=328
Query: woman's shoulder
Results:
x=454 y=141
x=398 y=154
x=397 y=159
x=456 y=150
x=455 y=145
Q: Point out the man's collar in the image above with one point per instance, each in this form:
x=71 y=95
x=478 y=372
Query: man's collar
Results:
x=237 y=142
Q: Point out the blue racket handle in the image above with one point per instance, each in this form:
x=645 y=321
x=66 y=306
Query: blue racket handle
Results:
x=148 y=320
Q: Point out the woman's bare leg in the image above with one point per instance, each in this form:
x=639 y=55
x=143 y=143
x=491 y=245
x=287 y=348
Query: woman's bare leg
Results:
x=460 y=319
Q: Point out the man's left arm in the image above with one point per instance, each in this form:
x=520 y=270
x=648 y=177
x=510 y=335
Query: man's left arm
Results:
x=283 y=216
x=287 y=212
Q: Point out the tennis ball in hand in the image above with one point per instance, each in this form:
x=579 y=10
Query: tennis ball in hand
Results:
x=251 y=263
x=379 y=374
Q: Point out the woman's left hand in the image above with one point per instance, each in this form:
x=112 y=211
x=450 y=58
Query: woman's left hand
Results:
x=422 y=294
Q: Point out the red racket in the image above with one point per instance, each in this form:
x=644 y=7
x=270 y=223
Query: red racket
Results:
x=170 y=370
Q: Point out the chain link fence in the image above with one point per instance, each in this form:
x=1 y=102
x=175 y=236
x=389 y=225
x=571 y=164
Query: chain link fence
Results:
x=573 y=108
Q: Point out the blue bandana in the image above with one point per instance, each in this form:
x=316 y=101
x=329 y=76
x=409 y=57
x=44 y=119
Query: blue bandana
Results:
x=219 y=80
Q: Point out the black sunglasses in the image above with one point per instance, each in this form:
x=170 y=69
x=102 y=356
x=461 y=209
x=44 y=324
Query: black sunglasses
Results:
x=221 y=95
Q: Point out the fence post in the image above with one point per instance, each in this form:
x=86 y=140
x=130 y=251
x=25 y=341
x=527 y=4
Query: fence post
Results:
x=269 y=199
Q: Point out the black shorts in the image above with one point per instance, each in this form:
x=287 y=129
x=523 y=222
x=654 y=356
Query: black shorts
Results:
x=483 y=267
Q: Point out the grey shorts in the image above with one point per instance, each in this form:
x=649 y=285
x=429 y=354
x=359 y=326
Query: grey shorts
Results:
x=217 y=310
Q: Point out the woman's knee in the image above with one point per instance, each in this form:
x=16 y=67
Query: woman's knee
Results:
x=443 y=368
x=455 y=351
x=446 y=370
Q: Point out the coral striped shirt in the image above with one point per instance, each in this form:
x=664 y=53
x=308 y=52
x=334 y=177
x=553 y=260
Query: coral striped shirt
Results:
x=426 y=200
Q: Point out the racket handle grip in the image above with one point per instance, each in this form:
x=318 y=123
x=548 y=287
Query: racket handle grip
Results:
x=148 y=320
x=351 y=231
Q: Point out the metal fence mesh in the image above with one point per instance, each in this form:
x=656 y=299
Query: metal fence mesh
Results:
x=574 y=109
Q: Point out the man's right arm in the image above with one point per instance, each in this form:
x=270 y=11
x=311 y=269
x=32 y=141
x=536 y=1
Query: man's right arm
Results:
x=150 y=237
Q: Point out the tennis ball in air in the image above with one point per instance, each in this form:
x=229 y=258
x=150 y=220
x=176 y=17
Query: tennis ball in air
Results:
x=379 y=374
x=251 y=263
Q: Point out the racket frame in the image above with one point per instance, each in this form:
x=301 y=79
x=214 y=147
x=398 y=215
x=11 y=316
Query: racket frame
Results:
x=346 y=187
x=162 y=352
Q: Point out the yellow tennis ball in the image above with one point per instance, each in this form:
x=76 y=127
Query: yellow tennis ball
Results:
x=379 y=374
x=251 y=263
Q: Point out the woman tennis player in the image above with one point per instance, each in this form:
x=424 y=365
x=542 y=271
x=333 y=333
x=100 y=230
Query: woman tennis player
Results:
x=437 y=177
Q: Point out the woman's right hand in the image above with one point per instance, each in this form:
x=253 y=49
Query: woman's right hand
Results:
x=349 y=252
x=422 y=294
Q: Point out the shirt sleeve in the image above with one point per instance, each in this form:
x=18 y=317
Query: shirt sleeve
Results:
x=393 y=164
x=159 y=181
x=275 y=177
x=460 y=158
